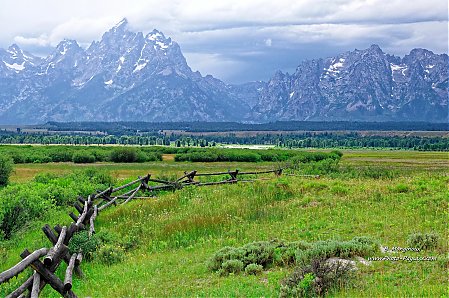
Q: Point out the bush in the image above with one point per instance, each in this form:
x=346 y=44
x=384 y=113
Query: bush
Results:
x=110 y=254
x=61 y=155
x=231 y=266
x=148 y=156
x=218 y=155
x=95 y=176
x=45 y=178
x=337 y=153
x=358 y=246
x=6 y=167
x=423 y=241
x=81 y=242
x=100 y=155
x=263 y=253
x=400 y=188
x=325 y=166
x=316 y=278
x=253 y=269
x=22 y=203
x=18 y=205
x=83 y=157
x=124 y=154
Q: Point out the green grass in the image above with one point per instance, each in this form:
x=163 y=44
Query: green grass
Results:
x=177 y=233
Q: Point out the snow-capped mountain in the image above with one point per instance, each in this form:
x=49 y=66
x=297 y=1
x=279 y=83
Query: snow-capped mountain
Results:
x=135 y=77
x=124 y=76
x=366 y=85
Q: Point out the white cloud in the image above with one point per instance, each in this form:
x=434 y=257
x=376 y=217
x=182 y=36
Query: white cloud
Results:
x=41 y=41
x=215 y=32
x=214 y=63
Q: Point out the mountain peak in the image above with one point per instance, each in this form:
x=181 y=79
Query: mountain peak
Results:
x=421 y=52
x=66 y=45
x=120 y=26
x=374 y=48
x=14 y=48
x=155 y=35
x=122 y=23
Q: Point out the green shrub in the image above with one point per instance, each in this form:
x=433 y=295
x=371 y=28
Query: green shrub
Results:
x=80 y=242
x=100 y=155
x=231 y=266
x=124 y=154
x=61 y=155
x=143 y=156
x=107 y=237
x=154 y=156
x=358 y=246
x=45 y=178
x=337 y=153
x=400 y=188
x=321 y=167
x=423 y=241
x=316 y=279
x=18 y=205
x=95 y=176
x=22 y=203
x=263 y=253
x=110 y=254
x=6 y=167
x=253 y=269
x=83 y=157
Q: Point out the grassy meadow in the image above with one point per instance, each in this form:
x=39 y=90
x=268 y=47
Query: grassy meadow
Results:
x=167 y=241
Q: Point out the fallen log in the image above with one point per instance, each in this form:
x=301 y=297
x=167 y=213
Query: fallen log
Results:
x=48 y=276
x=126 y=185
x=22 y=265
x=79 y=259
x=69 y=273
x=78 y=207
x=83 y=215
x=92 y=219
x=36 y=284
x=73 y=217
x=259 y=172
x=107 y=191
x=133 y=194
x=56 y=250
x=53 y=239
x=217 y=183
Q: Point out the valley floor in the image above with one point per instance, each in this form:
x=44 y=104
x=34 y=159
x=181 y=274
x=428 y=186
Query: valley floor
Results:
x=175 y=234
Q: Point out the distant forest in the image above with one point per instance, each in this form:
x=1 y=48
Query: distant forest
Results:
x=304 y=140
x=130 y=128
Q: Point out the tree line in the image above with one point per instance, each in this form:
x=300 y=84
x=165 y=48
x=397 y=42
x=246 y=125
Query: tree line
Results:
x=304 y=140
x=120 y=128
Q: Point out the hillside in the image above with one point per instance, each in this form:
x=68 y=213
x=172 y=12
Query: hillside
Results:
x=129 y=76
x=169 y=240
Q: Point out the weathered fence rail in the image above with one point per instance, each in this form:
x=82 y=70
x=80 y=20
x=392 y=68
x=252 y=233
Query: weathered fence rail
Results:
x=88 y=209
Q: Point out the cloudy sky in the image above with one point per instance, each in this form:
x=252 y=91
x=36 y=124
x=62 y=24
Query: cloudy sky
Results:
x=236 y=40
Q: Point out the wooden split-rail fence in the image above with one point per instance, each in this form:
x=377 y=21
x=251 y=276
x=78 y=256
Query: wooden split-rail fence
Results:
x=45 y=261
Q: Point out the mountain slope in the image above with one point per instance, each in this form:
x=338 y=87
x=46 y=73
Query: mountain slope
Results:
x=124 y=76
x=135 y=77
x=366 y=85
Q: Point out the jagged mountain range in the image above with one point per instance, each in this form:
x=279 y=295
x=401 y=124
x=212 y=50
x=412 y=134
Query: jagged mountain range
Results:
x=128 y=76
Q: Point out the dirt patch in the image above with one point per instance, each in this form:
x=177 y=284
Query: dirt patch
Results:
x=168 y=157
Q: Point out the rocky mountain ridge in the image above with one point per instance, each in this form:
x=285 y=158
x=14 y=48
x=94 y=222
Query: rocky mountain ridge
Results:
x=128 y=76
x=366 y=85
